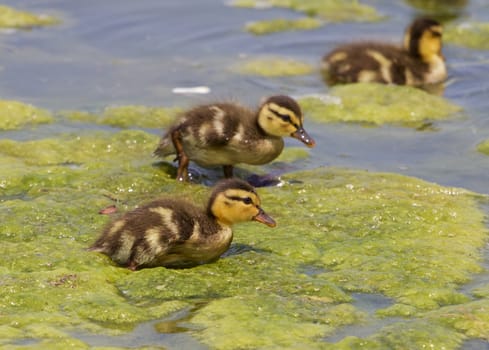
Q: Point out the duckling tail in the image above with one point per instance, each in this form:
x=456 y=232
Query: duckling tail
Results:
x=165 y=148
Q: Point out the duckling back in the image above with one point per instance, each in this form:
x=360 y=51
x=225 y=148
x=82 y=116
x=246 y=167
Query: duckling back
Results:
x=156 y=234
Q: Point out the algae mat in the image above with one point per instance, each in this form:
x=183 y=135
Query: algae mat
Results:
x=340 y=232
x=379 y=104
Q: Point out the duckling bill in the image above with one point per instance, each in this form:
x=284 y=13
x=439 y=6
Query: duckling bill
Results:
x=419 y=62
x=174 y=233
x=225 y=134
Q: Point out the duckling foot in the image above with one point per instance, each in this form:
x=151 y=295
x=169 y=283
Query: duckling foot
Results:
x=132 y=265
x=183 y=160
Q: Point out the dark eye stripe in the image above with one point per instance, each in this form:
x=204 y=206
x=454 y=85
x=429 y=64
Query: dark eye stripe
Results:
x=286 y=118
x=245 y=200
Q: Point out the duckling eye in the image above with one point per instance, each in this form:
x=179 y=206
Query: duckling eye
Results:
x=284 y=117
x=247 y=200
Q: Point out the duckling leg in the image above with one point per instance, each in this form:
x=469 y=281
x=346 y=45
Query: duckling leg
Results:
x=182 y=172
x=228 y=171
x=132 y=265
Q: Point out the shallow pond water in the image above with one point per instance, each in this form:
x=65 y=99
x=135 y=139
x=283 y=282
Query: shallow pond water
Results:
x=121 y=53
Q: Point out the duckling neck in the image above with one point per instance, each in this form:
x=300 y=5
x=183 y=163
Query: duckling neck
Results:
x=259 y=127
x=223 y=224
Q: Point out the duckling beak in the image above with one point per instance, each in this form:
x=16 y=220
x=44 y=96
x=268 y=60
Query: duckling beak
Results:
x=302 y=135
x=264 y=218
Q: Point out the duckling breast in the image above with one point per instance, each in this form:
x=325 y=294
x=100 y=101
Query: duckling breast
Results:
x=437 y=71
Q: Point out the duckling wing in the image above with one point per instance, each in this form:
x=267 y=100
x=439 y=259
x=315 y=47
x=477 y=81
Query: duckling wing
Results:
x=207 y=126
x=167 y=232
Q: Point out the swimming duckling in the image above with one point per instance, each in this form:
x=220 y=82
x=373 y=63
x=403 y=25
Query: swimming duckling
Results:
x=174 y=233
x=228 y=133
x=418 y=62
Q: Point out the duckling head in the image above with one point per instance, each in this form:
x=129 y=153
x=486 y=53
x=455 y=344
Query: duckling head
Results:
x=423 y=39
x=234 y=200
x=281 y=116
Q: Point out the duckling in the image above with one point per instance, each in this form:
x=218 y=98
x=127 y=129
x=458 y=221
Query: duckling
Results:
x=417 y=63
x=227 y=133
x=174 y=233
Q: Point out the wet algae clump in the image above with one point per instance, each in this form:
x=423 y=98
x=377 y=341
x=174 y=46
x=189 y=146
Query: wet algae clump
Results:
x=281 y=25
x=127 y=116
x=12 y=18
x=378 y=104
x=329 y=10
x=483 y=147
x=468 y=34
x=15 y=115
x=273 y=67
x=339 y=232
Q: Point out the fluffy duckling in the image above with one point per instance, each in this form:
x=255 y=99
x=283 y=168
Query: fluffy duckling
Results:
x=418 y=62
x=174 y=233
x=226 y=134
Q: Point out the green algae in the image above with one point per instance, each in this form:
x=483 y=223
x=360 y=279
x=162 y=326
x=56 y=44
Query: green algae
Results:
x=127 y=116
x=15 y=115
x=470 y=319
x=339 y=231
x=12 y=18
x=292 y=154
x=405 y=335
x=282 y=25
x=76 y=149
x=440 y=10
x=483 y=147
x=273 y=67
x=468 y=34
x=388 y=240
x=263 y=321
x=330 y=10
x=378 y=104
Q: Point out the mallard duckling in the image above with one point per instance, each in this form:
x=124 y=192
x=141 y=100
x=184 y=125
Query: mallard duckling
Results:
x=418 y=62
x=175 y=233
x=227 y=134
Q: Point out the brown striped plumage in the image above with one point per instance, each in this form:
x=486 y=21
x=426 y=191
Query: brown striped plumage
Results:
x=174 y=233
x=227 y=134
x=418 y=62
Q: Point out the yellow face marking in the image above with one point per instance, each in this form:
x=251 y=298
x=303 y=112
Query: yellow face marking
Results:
x=235 y=206
x=166 y=216
x=385 y=64
x=278 y=121
x=430 y=43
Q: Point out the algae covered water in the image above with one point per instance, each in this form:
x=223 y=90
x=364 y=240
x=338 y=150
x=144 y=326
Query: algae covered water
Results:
x=382 y=240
